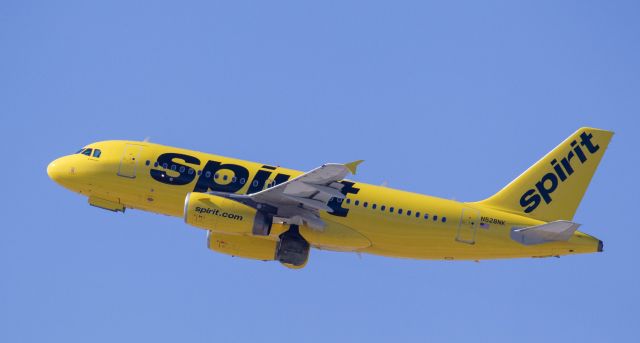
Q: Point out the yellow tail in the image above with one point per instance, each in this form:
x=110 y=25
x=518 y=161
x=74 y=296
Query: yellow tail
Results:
x=552 y=188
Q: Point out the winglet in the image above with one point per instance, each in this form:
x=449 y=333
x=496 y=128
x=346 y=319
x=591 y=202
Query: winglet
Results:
x=353 y=165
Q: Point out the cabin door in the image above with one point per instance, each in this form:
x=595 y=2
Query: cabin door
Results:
x=130 y=160
x=469 y=222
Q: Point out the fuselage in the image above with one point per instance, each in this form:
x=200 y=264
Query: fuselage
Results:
x=371 y=219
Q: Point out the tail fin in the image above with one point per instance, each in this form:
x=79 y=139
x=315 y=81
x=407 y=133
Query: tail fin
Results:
x=552 y=188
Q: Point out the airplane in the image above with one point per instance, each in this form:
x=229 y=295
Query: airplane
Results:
x=263 y=212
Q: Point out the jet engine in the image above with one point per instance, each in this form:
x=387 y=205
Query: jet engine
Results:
x=219 y=214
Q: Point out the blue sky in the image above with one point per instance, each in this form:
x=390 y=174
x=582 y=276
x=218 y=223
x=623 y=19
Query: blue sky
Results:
x=452 y=99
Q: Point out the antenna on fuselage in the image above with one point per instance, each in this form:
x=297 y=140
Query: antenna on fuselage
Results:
x=147 y=139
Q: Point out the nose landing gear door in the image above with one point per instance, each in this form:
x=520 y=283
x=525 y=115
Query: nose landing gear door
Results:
x=130 y=160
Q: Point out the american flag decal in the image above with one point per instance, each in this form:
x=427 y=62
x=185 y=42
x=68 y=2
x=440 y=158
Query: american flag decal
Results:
x=484 y=225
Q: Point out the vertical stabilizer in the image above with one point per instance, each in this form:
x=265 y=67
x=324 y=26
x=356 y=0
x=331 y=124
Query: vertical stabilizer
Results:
x=552 y=188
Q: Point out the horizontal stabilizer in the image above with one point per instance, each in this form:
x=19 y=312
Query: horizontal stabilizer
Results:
x=560 y=230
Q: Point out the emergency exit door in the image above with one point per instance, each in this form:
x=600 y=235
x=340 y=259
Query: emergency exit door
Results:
x=469 y=222
x=129 y=162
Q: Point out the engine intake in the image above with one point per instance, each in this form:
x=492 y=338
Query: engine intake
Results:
x=219 y=214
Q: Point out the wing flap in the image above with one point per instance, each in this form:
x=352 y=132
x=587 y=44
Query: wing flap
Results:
x=316 y=204
x=334 y=192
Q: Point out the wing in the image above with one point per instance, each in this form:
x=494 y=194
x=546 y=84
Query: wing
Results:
x=300 y=200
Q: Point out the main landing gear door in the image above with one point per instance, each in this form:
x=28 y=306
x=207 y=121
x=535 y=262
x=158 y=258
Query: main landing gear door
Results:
x=469 y=222
x=129 y=162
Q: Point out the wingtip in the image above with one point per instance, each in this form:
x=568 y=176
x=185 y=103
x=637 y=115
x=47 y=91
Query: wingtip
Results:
x=352 y=166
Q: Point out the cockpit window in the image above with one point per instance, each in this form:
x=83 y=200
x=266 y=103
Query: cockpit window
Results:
x=96 y=153
x=87 y=152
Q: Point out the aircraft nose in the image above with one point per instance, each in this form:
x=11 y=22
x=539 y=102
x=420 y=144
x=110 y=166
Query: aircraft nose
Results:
x=60 y=170
x=53 y=170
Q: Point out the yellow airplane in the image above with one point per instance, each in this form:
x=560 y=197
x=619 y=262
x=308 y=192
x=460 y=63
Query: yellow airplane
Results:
x=263 y=212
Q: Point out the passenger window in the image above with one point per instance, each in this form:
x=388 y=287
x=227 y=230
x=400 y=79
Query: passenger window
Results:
x=417 y=214
x=190 y=171
x=87 y=152
x=225 y=177
x=155 y=164
x=409 y=212
x=382 y=207
x=365 y=204
x=374 y=206
x=435 y=218
x=348 y=201
x=215 y=176
x=207 y=174
x=165 y=166
x=147 y=163
x=182 y=169
x=199 y=172
x=242 y=181
x=234 y=179
x=357 y=202
x=444 y=219
x=399 y=211
x=339 y=200
x=426 y=216
x=173 y=167
x=97 y=153
x=391 y=209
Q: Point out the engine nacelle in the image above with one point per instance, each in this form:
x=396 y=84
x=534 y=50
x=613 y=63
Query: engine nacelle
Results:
x=218 y=214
